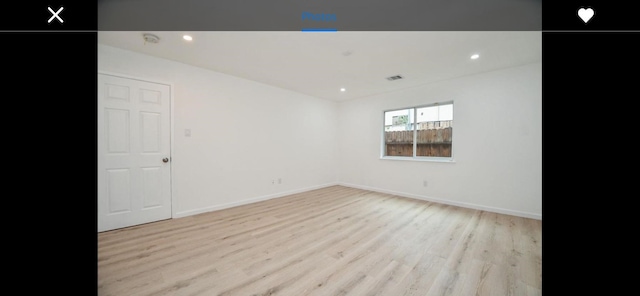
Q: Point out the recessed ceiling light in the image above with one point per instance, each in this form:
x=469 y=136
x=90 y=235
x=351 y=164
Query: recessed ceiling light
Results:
x=343 y=89
x=475 y=56
x=187 y=37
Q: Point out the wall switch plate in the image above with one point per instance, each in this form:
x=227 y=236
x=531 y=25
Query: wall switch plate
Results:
x=187 y=132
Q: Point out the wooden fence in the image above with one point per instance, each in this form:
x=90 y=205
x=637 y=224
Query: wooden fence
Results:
x=430 y=142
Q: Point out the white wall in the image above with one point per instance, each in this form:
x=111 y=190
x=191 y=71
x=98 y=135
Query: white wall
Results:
x=244 y=134
x=497 y=143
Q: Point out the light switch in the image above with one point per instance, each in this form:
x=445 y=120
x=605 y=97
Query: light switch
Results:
x=187 y=133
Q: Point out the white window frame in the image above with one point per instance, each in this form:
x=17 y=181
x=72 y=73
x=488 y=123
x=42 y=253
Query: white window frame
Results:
x=415 y=142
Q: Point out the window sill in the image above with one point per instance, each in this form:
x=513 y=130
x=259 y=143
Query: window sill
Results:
x=425 y=159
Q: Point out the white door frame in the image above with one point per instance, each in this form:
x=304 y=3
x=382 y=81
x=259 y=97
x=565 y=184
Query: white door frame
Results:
x=173 y=208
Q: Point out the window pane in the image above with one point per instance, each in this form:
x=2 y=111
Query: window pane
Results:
x=434 y=128
x=398 y=132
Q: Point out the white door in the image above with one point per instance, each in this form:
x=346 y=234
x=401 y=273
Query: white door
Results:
x=134 y=157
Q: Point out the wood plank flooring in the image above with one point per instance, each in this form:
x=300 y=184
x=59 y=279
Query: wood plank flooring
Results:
x=331 y=241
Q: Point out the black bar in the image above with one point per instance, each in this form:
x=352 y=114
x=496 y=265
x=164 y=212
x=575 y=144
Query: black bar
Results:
x=294 y=15
x=35 y=15
x=608 y=15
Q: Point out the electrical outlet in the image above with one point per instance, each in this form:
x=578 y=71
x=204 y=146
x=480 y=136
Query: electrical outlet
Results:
x=273 y=182
x=424 y=183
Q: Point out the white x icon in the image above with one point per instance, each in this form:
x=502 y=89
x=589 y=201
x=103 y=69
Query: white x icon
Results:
x=55 y=14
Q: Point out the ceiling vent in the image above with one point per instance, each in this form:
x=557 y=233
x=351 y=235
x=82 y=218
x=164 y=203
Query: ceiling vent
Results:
x=392 y=78
x=151 y=38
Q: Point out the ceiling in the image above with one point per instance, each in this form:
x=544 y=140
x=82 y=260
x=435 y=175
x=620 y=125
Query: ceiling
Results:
x=320 y=63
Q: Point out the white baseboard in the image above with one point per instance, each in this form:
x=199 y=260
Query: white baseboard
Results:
x=248 y=201
x=403 y=194
x=448 y=202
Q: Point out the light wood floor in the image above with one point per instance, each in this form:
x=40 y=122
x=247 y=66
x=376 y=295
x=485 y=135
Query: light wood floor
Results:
x=330 y=241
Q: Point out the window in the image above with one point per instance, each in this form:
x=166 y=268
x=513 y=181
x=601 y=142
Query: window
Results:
x=423 y=132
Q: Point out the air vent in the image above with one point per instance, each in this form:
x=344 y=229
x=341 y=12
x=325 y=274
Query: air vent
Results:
x=151 y=38
x=392 y=78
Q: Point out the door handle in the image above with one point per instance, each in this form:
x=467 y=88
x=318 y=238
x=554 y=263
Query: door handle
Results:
x=165 y=160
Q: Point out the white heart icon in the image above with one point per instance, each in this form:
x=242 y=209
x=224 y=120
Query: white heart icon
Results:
x=585 y=14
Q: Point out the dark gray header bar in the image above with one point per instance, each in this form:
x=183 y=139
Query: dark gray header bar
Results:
x=332 y=15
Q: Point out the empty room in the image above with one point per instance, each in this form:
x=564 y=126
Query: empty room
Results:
x=294 y=163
